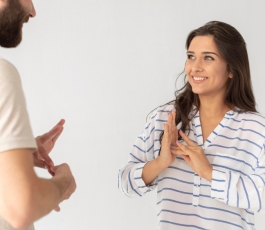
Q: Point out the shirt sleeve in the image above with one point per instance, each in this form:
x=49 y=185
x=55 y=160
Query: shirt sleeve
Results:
x=15 y=130
x=144 y=149
x=237 y=188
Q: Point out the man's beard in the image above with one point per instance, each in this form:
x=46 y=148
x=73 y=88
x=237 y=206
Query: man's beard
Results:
x=12 y=18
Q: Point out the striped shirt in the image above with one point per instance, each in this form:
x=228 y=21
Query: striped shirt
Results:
x=235 y=149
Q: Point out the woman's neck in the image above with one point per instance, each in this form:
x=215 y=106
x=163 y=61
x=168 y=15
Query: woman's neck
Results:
x=213 y=106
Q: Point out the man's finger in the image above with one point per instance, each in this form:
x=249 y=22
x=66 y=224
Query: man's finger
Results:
x=51 y=134
x=56 y=136
x=44 y=155
x=61 y=122
x=57 y=209
x=186 y=139
x=39 y=163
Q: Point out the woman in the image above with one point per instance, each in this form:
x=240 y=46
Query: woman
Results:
x=204 y=153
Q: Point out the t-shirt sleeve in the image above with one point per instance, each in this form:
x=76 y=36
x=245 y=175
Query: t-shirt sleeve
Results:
x=15 y=129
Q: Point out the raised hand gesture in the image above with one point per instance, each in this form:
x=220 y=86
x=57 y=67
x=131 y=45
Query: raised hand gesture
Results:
x=45 y=144
x=194 y=156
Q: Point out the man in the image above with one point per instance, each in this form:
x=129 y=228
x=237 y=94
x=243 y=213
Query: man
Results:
x=24 y=198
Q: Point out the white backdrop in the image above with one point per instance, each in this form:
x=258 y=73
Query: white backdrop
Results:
x=103 y=65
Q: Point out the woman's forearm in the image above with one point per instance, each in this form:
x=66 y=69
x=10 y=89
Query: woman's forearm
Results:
x=151 y=170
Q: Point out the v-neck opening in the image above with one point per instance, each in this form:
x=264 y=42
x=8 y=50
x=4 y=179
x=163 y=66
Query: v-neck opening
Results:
x=198 y=129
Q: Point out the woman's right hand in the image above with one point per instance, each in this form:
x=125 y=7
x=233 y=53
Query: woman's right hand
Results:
x=170 y=137
x=153 y=168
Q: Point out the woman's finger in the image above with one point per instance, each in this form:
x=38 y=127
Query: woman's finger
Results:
x=166 y=133
x=186 y=139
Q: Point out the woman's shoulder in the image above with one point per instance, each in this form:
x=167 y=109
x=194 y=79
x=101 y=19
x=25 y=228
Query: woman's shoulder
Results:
x=251 y=119
x=162 y=110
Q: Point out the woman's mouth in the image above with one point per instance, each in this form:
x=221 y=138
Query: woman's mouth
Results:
x=199 y=79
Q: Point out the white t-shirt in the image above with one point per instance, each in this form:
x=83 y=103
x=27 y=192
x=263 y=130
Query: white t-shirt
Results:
x=15 y=129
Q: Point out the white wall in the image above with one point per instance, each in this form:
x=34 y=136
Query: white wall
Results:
x=103 y=65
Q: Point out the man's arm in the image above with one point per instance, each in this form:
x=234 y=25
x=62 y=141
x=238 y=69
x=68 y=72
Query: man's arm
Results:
x=24 y=198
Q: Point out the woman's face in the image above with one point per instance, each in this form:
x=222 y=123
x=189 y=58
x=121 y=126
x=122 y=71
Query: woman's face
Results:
x=206 y=70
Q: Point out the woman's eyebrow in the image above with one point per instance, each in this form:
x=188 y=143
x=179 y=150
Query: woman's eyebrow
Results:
x=205 y=52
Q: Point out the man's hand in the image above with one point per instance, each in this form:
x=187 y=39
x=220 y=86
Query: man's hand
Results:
x=63 y=173
x=45 y=144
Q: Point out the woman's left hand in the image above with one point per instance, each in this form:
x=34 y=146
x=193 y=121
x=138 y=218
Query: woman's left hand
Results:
x=194 y=156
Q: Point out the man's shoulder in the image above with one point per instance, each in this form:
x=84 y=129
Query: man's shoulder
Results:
x=8 y=70
x=6 y=64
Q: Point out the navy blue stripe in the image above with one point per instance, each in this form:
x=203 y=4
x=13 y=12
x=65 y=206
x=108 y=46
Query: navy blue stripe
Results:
x=245 y=191
x=129 y=176
x=175 y=190
x=237 y=202
x=250 y=130
x=175 y=201
x=137 y=158
x=217 y=179
x=133 y=162
x=183 y=170
x=224 y=210
x=232 y=169
x=229 y=184
x=150 y=148
x=139 y=168
x=260 y=178
x=232 y=147
x=256 y=114
x=204 y=207
x=148 y=125
x=150 y=134
x=217 y=190
x=249 y=212
x=235 y=120
x=160 y=120
x=237 y=138
x=254 y=121
x=205 y=218
x=139 y=148
x=260 y=205
x=231 y=158
x=184 y=225
x=164 y=111
x=172 y=178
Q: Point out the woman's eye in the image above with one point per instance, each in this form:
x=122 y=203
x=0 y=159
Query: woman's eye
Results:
x=209 y=58
x=191 y=57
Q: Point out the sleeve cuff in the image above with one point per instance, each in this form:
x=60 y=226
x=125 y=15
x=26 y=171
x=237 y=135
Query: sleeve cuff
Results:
x=139 y=181
x=218 y=184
